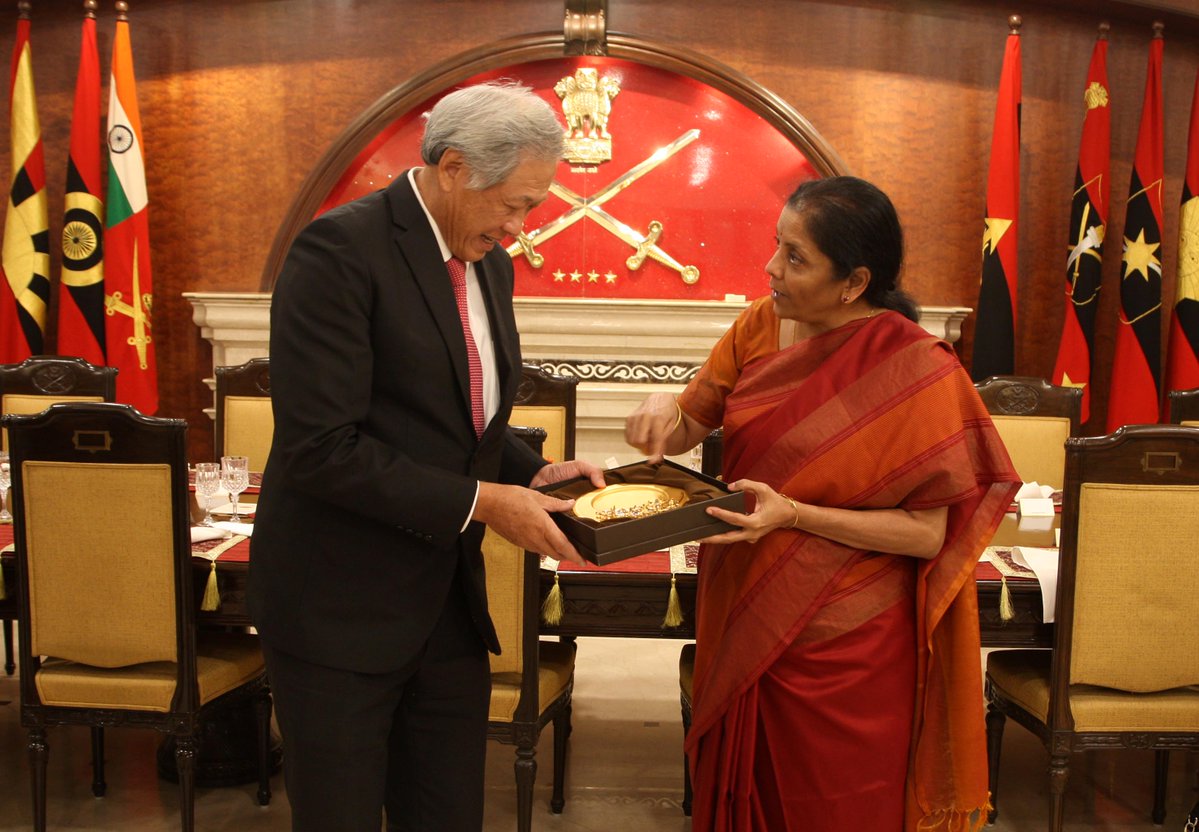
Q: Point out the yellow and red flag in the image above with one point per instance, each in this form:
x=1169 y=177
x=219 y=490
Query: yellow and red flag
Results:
x=994 y=334
x=129 y=294
x=1182 y=371
x=1088 y=227
x=25 y=289
x=1136 y=368
x=81 y=289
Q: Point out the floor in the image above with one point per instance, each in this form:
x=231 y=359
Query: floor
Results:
x=623 y=773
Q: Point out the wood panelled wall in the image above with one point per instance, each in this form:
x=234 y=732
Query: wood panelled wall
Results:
x=240 y=98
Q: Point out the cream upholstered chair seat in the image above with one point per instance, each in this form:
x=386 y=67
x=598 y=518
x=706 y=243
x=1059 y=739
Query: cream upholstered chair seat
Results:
x=107 y=606
x=1125 y=662
x=531 y=680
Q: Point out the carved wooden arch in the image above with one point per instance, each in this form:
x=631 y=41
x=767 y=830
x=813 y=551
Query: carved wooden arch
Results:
x=527 y=48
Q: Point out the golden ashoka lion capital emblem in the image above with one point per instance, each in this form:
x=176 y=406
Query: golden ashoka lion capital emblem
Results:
x=587 y=103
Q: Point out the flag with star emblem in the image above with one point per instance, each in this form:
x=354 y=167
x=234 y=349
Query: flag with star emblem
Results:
x=1182 y=369
x=81 y=289
x=994 y=333
x=25 y=289
x=1088 y=226
x=128 y=286
x=1136 y=368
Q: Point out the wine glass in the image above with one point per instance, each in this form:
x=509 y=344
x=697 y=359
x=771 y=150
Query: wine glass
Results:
x=208 y=482
x=235 y=478
x=5 y=482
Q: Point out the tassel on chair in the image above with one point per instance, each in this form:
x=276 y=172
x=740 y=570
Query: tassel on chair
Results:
x=212 y=595
x=551 y=609
x=1006 y=611
x=674 y=610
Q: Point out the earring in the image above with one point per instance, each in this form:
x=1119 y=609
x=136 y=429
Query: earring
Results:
x=845 y=298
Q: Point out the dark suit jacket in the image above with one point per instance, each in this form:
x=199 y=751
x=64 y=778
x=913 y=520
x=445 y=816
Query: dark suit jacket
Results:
x=374 y=462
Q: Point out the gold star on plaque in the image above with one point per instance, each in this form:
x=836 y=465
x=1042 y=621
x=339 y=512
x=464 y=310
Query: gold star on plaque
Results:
x=559 y=276
x=1068 y=382
x=593 y=276
x=1139 y=257
x=575 y=277
x=994 y=232
x=610 y=277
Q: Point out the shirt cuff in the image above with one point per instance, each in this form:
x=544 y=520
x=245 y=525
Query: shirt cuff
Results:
x=470 y=513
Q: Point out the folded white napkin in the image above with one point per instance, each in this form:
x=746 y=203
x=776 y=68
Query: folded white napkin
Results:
x=237 y=528
x=1043 y=562
x=227 y=508
x=202 y=533
x=1034 y=522
x=1032 y=489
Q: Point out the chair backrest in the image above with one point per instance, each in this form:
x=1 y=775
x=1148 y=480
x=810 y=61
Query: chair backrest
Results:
x=245 y=424
x=1128 y=578
x=37 y=382
x=1184 y=407
x=545 y=400
x=1034 y=418
x=100 y=514
x=513 y=602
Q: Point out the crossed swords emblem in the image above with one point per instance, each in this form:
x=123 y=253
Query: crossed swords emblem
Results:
x=645 y=245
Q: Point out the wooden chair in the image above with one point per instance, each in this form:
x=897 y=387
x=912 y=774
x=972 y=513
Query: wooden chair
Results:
x=31 y=387
x=245 y=424
x=1184 y=407
x=1034 y=418
x=532 y=680
x=107 y=607
x=1125 y=663
x=545 y=400
x=686 y=677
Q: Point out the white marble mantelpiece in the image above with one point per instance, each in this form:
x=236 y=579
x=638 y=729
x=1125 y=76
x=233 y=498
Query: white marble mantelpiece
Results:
x=646 y=346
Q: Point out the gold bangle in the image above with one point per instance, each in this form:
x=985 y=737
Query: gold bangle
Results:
x=678 y=420
x=795 y=507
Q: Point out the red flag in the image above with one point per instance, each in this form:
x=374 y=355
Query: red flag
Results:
x=1088 y=227
x=25 y=289
x=81 y=289
x=994 y=335
x=128 y=285
x=1136 y=368
x=1183 y=366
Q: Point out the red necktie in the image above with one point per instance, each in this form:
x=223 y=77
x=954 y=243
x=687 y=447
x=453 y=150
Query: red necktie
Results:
x=457 y=271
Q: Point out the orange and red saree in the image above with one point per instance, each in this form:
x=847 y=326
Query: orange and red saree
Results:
x=806 y=648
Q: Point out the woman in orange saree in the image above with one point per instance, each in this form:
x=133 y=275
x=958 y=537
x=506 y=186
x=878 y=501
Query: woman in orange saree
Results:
x=837 y=682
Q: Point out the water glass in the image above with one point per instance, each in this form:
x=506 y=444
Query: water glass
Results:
x=5 y=482
x=235 y=478
x=208 y=483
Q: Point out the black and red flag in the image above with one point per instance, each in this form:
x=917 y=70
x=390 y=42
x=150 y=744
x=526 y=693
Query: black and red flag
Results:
x=81 y=292
x=994 y=334
x=1136 y=368
x=25 y=287
x=1088 y=227
x=1182 y=371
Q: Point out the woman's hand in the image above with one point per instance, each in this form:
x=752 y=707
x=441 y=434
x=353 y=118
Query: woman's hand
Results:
x=653 y=423
x=771 y=511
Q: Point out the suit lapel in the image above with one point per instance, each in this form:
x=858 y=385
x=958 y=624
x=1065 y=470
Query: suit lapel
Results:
x=418 y=246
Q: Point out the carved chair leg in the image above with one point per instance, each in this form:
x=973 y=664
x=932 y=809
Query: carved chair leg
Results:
x=561 y=733
x=686 y=763
x=995 y=722
x=10 y=656
x=526 y=774
x=185 y=762
x=39 y=750
x=99 y=786
x=1059 y=774
x=1161 y=767
x=262 y=712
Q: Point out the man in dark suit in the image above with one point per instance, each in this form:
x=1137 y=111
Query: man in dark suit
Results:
x=391 y=452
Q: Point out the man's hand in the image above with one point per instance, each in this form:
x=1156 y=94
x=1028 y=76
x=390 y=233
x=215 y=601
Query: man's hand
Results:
x=522 y=516
x=560 y=471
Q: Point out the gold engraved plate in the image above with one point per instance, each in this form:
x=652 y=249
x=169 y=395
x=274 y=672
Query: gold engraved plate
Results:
x=629 y=501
